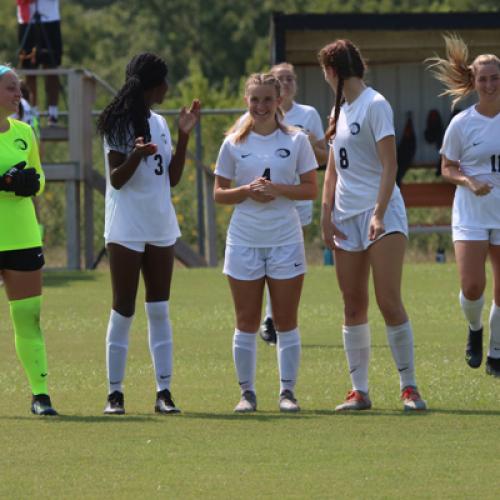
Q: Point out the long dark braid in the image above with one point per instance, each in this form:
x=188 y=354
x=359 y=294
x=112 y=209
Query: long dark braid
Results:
x=345 y=58
x=126 y=116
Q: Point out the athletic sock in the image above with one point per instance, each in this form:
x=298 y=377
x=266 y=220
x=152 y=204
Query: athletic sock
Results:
x=357 y=340
x=116 y=349
x=472 y=310
x=160 y=342
x=269 y=308
x=245 y=359
x=494 y=350
x=30 y=344
x=400 y=339
x=288 y=350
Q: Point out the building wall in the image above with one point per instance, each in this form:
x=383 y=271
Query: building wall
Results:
x=407 y=86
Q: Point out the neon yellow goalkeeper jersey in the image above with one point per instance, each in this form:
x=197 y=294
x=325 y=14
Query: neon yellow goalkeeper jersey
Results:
x=18 y=224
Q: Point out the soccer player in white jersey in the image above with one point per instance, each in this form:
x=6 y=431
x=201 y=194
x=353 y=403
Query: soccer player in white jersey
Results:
x=307 y=119
x=471 y=160
x=262 y=158
x=141 y=227
x=364 y=221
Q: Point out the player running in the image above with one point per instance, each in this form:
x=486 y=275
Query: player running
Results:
x=471 y=160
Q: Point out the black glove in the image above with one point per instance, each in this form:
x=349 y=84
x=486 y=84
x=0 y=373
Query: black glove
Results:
x=22 y=182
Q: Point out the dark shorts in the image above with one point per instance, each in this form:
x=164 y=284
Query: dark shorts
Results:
x=27 y=259
x=46 y=39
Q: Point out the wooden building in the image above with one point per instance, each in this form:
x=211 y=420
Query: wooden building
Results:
x=394 y=46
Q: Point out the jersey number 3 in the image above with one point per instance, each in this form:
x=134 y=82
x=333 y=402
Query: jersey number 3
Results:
x=159 y=168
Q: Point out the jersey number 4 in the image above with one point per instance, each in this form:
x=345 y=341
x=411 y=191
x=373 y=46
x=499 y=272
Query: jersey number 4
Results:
x=495 y=163
x=159 y=162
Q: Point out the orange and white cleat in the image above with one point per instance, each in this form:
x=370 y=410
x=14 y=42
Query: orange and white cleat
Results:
x=412 y=400
x=356 y=401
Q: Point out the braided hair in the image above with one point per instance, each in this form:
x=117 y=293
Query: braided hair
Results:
x=126 y=116
x=345 y=58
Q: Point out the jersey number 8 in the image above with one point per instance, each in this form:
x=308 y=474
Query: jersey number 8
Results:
x=344 y=160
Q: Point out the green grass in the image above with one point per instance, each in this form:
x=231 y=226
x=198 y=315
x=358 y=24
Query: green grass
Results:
x=450 y=452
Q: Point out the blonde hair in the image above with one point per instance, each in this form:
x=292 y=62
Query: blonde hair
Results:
x=454 y=71
x=241 y=128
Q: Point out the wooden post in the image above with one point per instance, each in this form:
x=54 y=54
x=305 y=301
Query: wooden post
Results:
x=73 y=187
x=81 y=90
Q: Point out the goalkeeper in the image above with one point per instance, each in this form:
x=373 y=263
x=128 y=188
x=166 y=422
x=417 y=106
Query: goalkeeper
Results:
x=21 y=256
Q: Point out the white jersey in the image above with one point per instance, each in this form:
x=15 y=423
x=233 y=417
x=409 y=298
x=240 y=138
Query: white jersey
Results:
x=361 y=124
x=48 y=10
x=473 y=140
x=305 y=118
x=142 y=209
x=286 y=155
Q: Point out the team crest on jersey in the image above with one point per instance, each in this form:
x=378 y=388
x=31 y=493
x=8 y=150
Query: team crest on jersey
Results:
x=21 y=144
x=282 y=153
x=245 y=155
x=355 y=128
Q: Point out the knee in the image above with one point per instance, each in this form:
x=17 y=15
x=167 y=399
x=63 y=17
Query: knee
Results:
x=473 y=290
x=392 y=310
x=285 y=323
x=126 y=309
x=247 y=322
x=355 y=308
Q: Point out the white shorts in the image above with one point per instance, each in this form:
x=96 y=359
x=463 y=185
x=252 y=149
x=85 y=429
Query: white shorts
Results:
x=139 y=246
x=463 y=233
x=356 y=228
x=305 y=213
x=251 y=263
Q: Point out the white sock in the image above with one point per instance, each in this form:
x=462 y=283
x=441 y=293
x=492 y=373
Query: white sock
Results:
x=400 y=339
x=357 y=342
x=54 y=111
x=288 y=350
x=116 y=349
x=269 y=308
x=494 y=350
x=472 y=310
x=245 y=359
x=160 y=342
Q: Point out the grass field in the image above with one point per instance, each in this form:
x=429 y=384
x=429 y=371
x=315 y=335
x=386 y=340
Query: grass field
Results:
x=452 y=451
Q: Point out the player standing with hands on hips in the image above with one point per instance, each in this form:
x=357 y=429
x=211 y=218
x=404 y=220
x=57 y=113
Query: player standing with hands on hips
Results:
x=21 y=255
x=471 y=160
x=308 y=120
x=263 y=157
x=363 y=219
x=141 y=227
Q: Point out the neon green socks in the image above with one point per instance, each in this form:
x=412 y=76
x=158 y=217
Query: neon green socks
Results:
x=30 y=345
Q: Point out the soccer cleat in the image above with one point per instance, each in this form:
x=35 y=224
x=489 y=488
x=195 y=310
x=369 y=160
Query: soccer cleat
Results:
x=165 y=404
x=41 y=405
x=247 y=403
x=474 y=348
x=115 y=404
x=412 y=400
x=493 y=366
x=268 y=332
x=288 y=403
x=355 y=400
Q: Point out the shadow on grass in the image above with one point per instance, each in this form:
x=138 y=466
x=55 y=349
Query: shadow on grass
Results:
x=339 y=346
x=258 y=416
x=63 y=278
x=475 y=413
x=86 y=419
